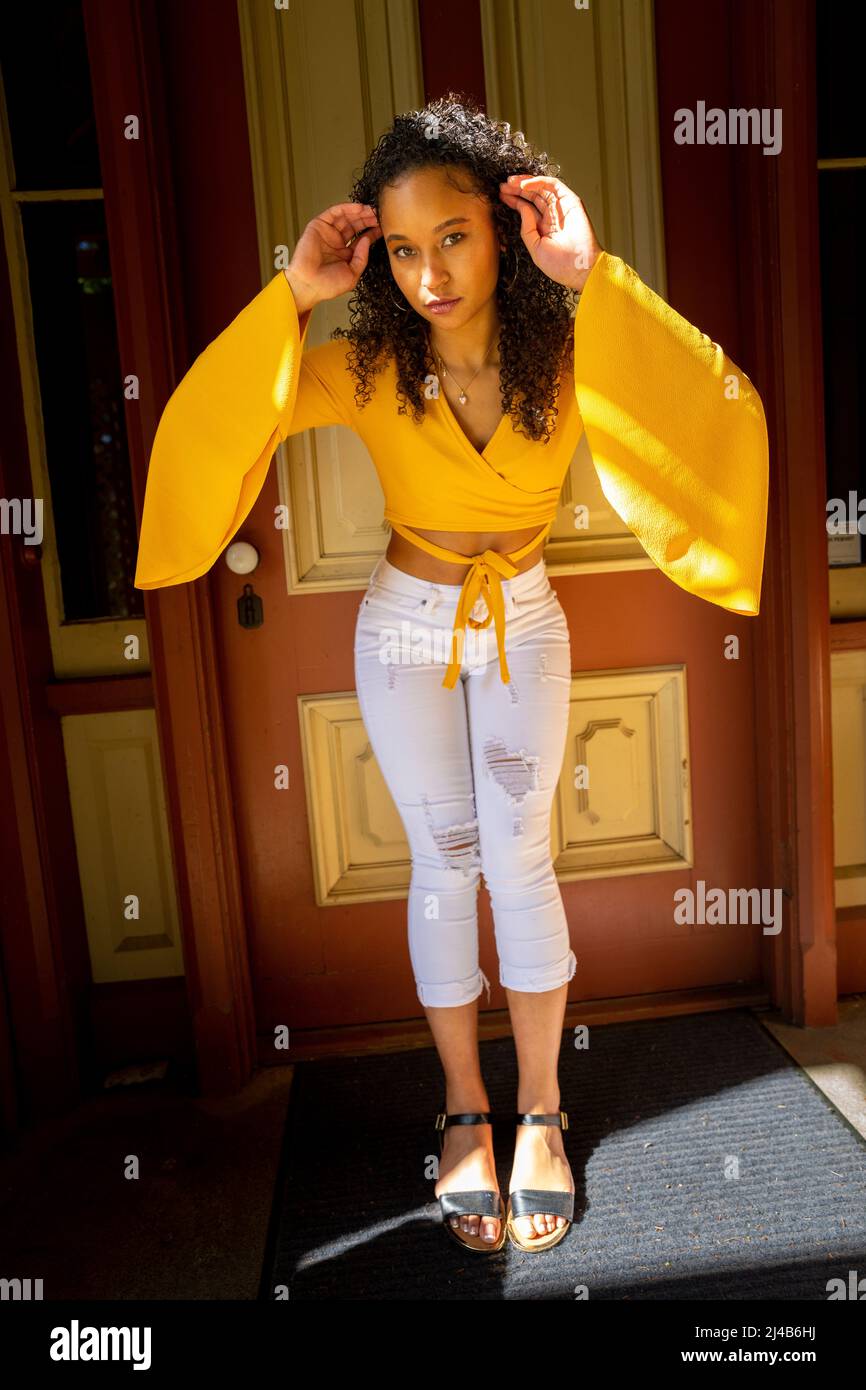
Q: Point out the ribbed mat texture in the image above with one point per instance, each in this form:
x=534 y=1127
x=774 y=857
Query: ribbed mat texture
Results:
x=706 y=1166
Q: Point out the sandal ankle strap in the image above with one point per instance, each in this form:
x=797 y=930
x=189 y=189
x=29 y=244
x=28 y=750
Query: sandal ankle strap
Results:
x=480 y=1117
x=559 y=1118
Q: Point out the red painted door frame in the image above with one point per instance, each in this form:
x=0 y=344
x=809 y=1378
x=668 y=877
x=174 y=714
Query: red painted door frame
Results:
x=129 y=74
x=774 y=201
x=780 y=278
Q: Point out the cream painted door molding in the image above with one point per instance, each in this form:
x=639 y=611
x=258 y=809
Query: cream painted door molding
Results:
x=581 y=84
x=622 y=806
x=322 y=84
x=123 y=845
x=848 y=684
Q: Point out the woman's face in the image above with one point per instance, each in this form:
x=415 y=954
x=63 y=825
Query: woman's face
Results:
x=430 y=260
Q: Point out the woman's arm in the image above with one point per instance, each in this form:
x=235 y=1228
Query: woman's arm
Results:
x=676 y=429
x=303 y=294
x=677 y=435
x=250 y=388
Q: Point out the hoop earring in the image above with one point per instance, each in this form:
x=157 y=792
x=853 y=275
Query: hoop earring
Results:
x=510 y=284
x=404 y=308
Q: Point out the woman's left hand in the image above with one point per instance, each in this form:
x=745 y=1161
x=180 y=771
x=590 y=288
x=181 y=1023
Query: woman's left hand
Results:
x=554 y=226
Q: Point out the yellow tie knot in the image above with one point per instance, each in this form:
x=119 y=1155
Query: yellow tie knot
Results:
x=497 y=562
x=484 y=576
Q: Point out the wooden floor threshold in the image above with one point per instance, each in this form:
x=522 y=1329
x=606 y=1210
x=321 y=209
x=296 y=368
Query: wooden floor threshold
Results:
x=402 y=1034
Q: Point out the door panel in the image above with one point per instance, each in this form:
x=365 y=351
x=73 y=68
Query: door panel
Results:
x=122 y=842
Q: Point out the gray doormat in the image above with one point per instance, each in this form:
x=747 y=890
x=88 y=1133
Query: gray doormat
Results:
x=706 y=1166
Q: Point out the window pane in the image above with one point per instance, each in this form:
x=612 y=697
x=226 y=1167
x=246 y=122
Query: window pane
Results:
x=842 y=208
x=75 y=337
x=841 y=115
x=46 y=78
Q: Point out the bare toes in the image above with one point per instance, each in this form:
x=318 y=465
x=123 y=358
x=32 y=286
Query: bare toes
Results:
x=538 y=1224
x=474 y=1226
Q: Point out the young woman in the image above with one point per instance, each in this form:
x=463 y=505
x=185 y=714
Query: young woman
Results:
x=464 y=253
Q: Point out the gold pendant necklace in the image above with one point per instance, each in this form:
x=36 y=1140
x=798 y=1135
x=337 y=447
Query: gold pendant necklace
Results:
x=463 y=398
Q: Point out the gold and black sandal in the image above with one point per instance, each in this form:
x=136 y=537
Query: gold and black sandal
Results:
x=481 y=1202
x=529 y=1201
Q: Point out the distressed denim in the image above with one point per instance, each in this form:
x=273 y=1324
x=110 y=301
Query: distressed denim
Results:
x=473 y=772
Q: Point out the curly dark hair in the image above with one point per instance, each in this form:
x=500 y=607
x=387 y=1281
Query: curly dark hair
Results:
x=533 y=309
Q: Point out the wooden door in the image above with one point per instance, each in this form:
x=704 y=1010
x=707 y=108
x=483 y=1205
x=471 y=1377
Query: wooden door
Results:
x=326 y=866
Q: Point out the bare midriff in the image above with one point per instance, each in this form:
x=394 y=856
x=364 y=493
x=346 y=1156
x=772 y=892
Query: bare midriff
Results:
x=403 y=555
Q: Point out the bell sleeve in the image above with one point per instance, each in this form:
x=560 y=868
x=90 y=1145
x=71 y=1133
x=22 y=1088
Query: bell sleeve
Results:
x=247 y=391
x=677 y=434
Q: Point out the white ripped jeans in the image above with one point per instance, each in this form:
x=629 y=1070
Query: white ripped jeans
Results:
x=473 y=772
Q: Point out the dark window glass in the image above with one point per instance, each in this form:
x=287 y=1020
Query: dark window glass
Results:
x=841 y=114
x=81 y=388
x=46 y=80
x=842 y=208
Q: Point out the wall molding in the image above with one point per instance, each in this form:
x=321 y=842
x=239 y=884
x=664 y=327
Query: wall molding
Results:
x=630 y=729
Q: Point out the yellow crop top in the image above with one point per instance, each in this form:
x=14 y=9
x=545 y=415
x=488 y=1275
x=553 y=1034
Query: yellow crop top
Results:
x=676 y=432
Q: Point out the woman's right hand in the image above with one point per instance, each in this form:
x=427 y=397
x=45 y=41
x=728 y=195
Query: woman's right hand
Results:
x=323 y=266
